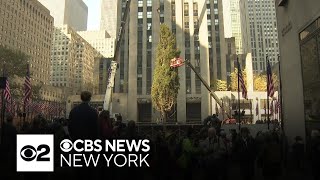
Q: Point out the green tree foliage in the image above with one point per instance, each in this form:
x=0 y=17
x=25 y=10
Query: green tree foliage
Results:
x=234 y=79
x=221 y=85
x=17 y=89
x=165 y=84
x=15 y=62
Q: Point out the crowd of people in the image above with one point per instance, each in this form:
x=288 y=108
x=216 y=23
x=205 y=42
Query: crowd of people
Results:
x=209 y=153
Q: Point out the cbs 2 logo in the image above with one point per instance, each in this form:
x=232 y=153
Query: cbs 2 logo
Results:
x=29 y=153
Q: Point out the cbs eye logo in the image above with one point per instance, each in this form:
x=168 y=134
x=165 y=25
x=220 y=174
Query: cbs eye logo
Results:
x=35 y=153
x=29 y=153
x=66 y=145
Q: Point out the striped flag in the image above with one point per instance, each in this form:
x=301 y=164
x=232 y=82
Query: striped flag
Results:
x=7 y=94
x=27 y=88
x=242 y=83
x=270 y=84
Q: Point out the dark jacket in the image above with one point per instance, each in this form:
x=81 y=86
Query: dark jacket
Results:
x=9 y=137
x=244 y=151
x=83 y=122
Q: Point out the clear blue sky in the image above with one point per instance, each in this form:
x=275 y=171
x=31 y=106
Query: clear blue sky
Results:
x=93 y=14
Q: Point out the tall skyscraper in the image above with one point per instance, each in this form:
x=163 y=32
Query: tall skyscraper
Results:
x=236 y=25
x=100 y=40
x=109 y=16
x=72 y=61
x=198 y=26
x=259 y=24
x=232 y=23
x=26 y=26
x=71 y=12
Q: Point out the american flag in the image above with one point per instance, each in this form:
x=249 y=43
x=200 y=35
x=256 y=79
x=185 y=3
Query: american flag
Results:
x=242 y=83
x=27 y=88
x=7 y=94
x=270 y=84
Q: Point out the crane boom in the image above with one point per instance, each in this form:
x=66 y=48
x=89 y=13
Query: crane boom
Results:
x=107 y=103
x=212 y=94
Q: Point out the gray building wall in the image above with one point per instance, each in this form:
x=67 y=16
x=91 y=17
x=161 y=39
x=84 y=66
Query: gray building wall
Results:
x=76 y=14
x=135 y=71
x=109 y=16
x=71 y=12
x=293 y=19
x=259 y=21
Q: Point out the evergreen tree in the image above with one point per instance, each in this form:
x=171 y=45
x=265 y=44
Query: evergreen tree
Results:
x=165 y=83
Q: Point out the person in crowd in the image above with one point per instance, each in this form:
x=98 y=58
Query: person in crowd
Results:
x=187 y=151
x=260 y=141
x=119 y=126
x=83 y=119
x=37 y=126
x=315 y=154
x=298 y=153
x=234 y=135
x=225 y=156
x=244 y=151
x=84 y=125
x=105 y=124
x=8 y=143
x=271 y=157
x=131 y=132
x=214 y=151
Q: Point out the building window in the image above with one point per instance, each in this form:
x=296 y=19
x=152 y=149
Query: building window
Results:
x=215 y=11
x=149 y=3
x=186 y=23
x=208 y=11
x=310 y=53
x=149 y=14
x=186 y=9
x=195 y=9
x=216 y=22
x=140 y=15
x=140 y=3
x=139 y=85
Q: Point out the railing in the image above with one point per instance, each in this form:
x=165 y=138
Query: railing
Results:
x=150 y=130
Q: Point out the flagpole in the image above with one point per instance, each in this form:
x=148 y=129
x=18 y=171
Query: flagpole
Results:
x=239 y=113
x=280 y=97
x=222 y=110
x=268 y=118
x=3 y=105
